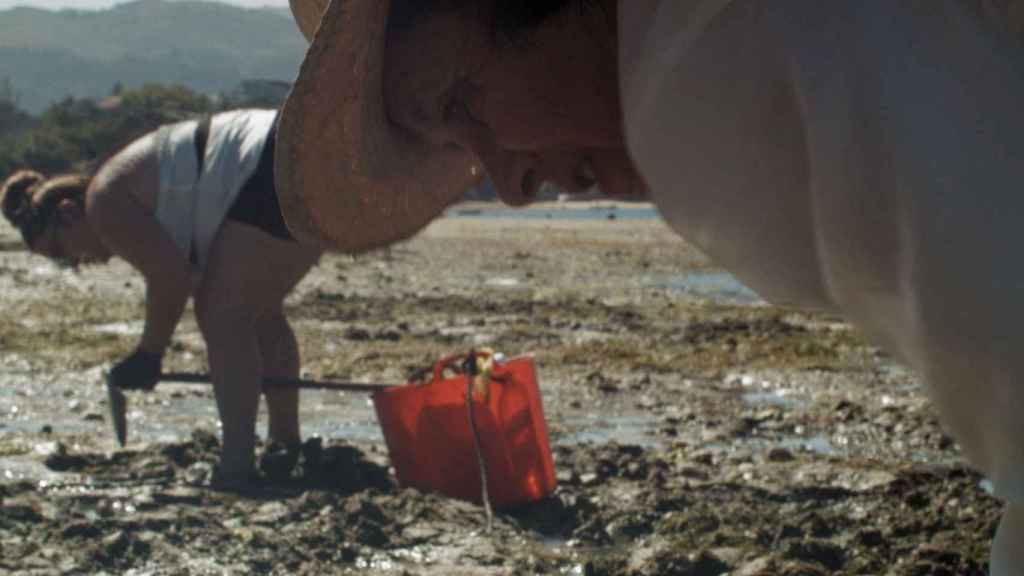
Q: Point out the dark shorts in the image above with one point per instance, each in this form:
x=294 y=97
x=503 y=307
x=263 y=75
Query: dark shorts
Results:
x=257 y=204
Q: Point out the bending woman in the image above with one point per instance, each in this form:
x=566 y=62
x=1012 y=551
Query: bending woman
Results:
x=192 y=207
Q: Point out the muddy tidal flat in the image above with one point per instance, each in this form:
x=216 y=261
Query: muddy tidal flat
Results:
x=696 y=430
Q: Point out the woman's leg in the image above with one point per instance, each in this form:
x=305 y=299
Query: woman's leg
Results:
x=248 y=274
x=280 y=353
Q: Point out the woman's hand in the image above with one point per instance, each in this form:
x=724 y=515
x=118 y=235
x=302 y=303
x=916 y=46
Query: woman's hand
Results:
x=140 y=371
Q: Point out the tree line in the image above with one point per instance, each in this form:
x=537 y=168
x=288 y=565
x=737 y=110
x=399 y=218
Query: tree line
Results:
x=79 y=134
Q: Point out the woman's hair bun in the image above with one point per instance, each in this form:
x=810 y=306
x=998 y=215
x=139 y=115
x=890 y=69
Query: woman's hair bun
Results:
x=17 y=195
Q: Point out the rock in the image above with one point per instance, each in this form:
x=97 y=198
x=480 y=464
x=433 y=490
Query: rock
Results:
x=704 y=457
x=707 y=563
x=357 y=334
x=199 y=473
x=870 y=538
x=420 y=533
x=802 y=569
x=22 y=510
x=760 y=567
x=271 y=513
x=693 y=473
x=187 y=495
x=662 y=557
x=729 y=556
x=48 y=449
x=788 y=531
x=829 y=555
x=780 y=455
x=60 y=461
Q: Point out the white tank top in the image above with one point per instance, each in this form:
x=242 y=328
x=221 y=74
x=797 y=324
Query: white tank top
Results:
x=191 y=206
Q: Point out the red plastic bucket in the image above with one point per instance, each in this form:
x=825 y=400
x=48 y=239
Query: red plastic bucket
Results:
x=431 y=445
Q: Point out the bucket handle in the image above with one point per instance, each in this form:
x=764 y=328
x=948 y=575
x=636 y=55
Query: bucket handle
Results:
x=471 y=370
x=466 y=364
x=437 y=370
x=456 y=361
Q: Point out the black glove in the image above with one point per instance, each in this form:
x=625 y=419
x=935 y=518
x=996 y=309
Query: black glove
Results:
x=140 y=371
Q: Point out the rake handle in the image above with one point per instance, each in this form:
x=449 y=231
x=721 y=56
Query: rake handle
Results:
x=274 y=382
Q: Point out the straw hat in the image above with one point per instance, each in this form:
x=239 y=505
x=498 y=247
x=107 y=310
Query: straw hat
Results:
x=346 y=177
x=307 y=15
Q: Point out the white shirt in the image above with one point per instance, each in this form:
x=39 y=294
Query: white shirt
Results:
x=865 y=157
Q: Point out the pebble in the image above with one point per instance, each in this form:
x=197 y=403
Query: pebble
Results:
x=780 y=455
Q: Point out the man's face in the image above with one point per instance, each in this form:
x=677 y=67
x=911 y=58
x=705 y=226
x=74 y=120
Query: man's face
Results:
x=543 y=109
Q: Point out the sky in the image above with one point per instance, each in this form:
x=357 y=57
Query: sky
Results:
x=97 y=4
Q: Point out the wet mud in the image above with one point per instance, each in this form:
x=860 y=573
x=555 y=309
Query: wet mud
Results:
x=695 y=430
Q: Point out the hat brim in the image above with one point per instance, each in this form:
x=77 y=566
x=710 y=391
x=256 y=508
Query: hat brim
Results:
x=347 y=178
x=307 y=15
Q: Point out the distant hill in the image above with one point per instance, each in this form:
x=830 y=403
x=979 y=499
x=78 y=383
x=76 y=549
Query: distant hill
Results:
x=207 y=46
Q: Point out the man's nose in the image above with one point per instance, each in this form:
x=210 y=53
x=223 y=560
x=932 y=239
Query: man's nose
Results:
x=515 y=175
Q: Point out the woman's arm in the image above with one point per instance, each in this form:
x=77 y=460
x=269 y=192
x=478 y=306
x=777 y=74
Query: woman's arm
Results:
x=130 y=230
